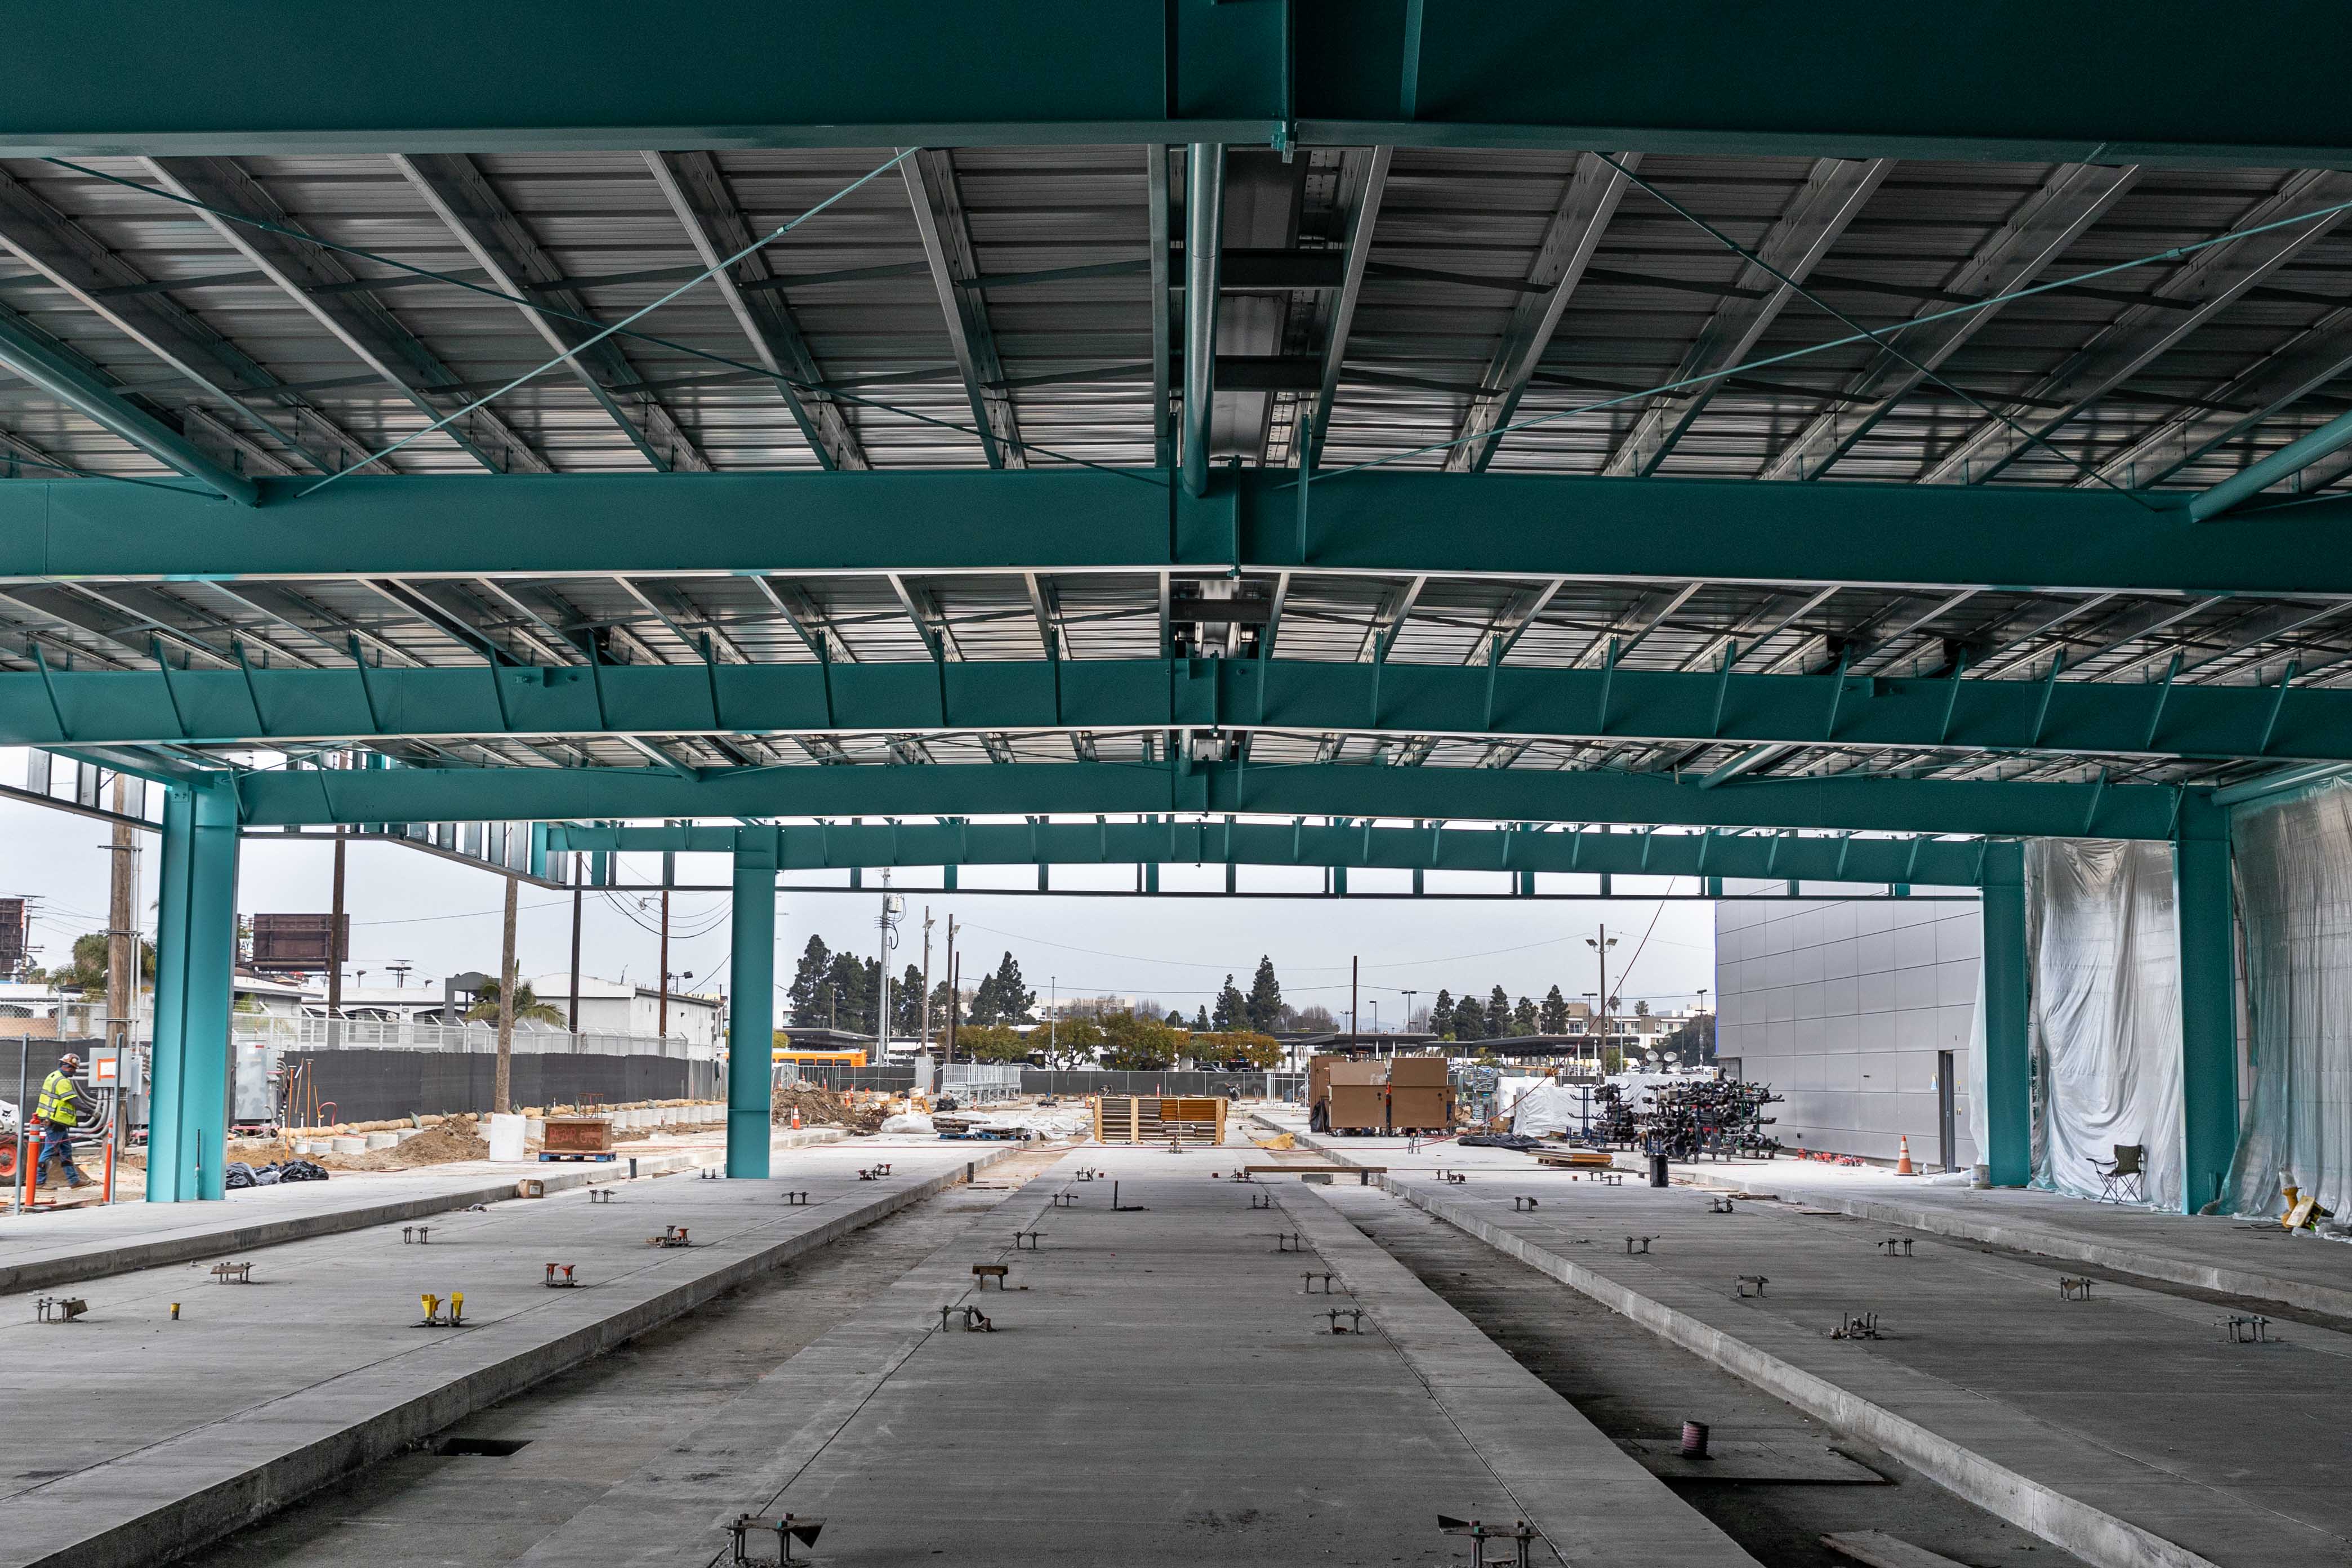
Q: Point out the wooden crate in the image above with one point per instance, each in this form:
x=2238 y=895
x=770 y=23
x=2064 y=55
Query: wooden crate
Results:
x=578 y=1135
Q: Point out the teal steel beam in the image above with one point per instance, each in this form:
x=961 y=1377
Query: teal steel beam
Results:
x=195 y=958
x=2203 y=906
x=313 y=796
x=751 y=1000
x=1396 y=524
x=1772 y=713
x=1204 y=227
x=1517 y=850
x=2116 y=81
x=2008 y=1002
x=56 y=377
x=2286 y=462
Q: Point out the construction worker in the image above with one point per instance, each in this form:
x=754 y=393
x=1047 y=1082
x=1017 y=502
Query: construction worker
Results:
x=60 y=1108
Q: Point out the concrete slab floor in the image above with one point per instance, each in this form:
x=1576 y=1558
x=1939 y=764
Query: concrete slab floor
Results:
x=2209 y=1252
x=1633 y=1385
x=2133 y=1403
x=590 y=1427
x=172 y=1422
x=1159 y=1389
x=49 y=1248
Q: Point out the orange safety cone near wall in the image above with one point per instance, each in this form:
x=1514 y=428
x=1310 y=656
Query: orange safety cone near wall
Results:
x=796 y=1118
x=1903 y=1166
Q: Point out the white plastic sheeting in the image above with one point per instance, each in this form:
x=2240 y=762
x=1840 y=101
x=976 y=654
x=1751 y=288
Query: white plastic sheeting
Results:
x=2295 y=900
x=2105 y=975
x=1549 y=1107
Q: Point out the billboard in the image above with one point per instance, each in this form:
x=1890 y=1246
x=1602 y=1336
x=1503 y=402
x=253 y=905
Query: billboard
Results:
x=298 y=943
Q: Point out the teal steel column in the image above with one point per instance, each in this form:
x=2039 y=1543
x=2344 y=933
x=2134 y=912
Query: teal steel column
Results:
x=2007 y=985
x=751 y=1006
x=2205 y=915
x=196 y=970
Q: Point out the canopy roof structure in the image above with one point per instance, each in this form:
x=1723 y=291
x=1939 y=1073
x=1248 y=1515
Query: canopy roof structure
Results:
x=1788 y=427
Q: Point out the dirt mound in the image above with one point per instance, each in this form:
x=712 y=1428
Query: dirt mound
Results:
x=826 y=1107
x=452 y=1137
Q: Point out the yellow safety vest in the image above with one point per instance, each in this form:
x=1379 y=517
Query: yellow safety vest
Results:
x=61 y=1099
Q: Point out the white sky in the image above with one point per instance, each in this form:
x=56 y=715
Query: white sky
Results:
x=443 y=918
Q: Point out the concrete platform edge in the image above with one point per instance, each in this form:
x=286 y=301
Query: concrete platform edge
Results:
x=2092 y=1534
x=2095 y=1536
x=42 y=1273
x=171 y=1531
x=2042 y=1243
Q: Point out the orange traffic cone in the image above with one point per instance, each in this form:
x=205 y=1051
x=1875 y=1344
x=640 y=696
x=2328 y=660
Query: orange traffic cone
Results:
x=1903 y=1165
x=796 y=1118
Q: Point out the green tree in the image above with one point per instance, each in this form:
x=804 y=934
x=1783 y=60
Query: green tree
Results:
x=1141 y=1045
x=528 y=1008
x=943 y=1007
x=1073 y=1043
x=1233 y=1007
x=907 y=1005
x=1441 y=1015
x=809 y=999
x=993 y=1042
x=1469 y=1020
x=1175 y=1020
x=1555 y=1013
x=1641 y=1009
x=1612 y=1060
x=1498 y=1014
x=1003 y=997
x=89 y=970
x=1264 y=1004
x=1238 y=1049
x=1201 y=1021
x=1524 y=1018
x=845 y=996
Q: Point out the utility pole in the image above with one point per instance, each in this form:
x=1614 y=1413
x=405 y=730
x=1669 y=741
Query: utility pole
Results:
x=1600 y=946
x=574 y=1021
x=661 y=1026
x=122 y=933
x=1355 y=972
x=500 y=1090
x=955 y=996
x=927 y=976
x=336 y=955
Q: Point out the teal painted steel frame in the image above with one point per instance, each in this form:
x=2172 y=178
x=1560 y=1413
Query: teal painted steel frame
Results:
x=751 y=1005
x=2008 y=987
x=2204 y=907
x=195 y=971
x=1521 y=851
x=47 y=708
x=309 y=796
x=1394 y=524
x=2105 y=80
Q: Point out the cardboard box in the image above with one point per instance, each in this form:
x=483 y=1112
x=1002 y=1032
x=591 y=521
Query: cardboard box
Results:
x=1363 y=1072
x=1420 y=1110
x=1359 y=1106
x=1418 y=1072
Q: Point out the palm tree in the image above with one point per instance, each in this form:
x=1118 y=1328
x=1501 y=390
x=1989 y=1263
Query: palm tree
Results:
x=529 y=1008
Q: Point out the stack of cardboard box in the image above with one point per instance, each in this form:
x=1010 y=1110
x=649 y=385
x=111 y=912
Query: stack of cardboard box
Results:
x=1406 y=1094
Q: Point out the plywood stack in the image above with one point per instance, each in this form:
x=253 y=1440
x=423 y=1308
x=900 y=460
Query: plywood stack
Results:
x=1154 y=1119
